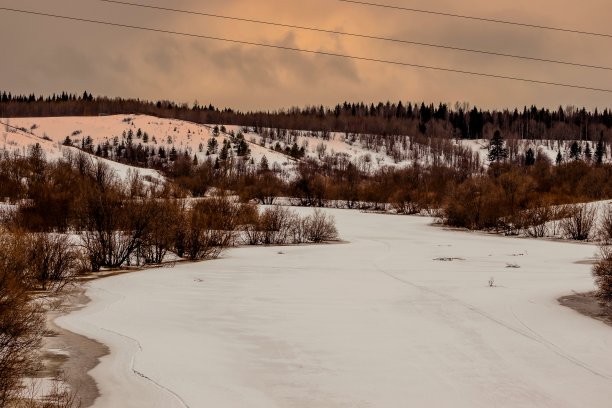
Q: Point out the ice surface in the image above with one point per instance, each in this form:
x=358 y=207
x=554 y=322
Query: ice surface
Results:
x=375 y=322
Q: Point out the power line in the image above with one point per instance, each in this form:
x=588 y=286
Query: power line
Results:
x=307 y=51
x=357 y=35
x=488 y=20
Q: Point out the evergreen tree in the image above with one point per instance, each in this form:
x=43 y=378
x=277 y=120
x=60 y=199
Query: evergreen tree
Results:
x=224 y=151
x=242 y=148
x=497 y=151
x=212 y=146
x=559 y=158
x=575 y=151
x=530 y=157
x=599 y=152
x=130 y=137
x=37 y=157
x=588 y=154
x=263 y=164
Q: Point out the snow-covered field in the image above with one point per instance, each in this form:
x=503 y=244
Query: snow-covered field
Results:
x=375 y=322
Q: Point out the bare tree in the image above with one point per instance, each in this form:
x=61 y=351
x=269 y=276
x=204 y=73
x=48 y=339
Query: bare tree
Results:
x=162 y=230
x=52 y=261
x=113 y=228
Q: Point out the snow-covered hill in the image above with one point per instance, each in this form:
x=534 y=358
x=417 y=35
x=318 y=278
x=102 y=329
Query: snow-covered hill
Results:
x=367 y=152
x=51 y=133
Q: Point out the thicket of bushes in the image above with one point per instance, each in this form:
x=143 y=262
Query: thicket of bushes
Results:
x=280 y=226
x=29 y=263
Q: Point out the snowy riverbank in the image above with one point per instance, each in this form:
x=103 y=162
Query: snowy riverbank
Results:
x=401 y=315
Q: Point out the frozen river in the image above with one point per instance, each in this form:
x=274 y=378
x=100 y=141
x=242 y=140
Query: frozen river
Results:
x=378 y=321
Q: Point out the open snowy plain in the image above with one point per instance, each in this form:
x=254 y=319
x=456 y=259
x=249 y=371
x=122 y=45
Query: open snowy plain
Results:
x=379 y=321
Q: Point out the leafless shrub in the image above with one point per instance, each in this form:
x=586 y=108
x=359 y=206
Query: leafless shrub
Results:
x=580 y=222
x=252 y=234
x=404 y=203
x=535 y=220
x=557 y=215
x=605 y=228
x=279 y=226
x=275 y=225
x=21 y=322
x=58 y=396
x=298 y=229
x=320 y=227
x=602 y=272
x=211 y=228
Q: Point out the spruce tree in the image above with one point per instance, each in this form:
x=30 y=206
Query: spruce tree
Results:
x=575 y=151
x=263 y=164
x=588 y=154
x=599 y=152
x=497 y=151
x=530 y=157
x=224 y=151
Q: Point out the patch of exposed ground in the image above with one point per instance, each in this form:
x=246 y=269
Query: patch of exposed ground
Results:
x=70 y=355
x=588 y=305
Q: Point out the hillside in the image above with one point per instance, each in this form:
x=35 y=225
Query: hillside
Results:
x=367 y=152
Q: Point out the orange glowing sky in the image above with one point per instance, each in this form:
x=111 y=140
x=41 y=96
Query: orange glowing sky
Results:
x=46 y=55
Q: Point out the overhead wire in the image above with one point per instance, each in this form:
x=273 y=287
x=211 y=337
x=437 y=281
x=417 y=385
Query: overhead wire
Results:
x=309 y=51
x=476 y=18
x=356 y=35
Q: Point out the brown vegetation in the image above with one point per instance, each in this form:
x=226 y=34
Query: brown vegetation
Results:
x=27 y=263
x=602 y=271
x=280 y=226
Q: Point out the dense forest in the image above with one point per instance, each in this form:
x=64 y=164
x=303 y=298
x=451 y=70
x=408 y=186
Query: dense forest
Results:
x=401 y=118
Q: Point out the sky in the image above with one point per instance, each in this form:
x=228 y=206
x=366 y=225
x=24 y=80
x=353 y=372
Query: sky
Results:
x=48 y=55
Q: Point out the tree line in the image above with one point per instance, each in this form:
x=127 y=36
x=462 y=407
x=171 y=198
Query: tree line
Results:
x=384 y=118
